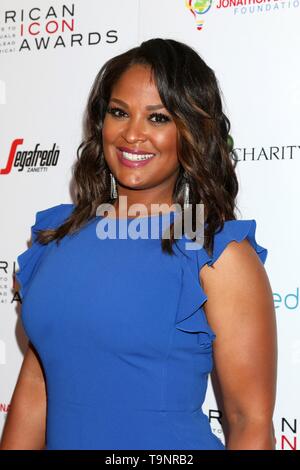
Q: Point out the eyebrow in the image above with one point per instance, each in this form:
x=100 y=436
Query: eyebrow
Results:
x=150 y=107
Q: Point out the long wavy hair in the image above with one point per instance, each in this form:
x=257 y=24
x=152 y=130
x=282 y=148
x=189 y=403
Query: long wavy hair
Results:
x=189 y=90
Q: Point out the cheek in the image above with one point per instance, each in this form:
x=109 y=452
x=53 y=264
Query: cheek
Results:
x=166 y=142
x=109 y=131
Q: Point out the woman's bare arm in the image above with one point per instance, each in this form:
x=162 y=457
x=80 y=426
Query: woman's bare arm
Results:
x=26 y=420
x=240 y=309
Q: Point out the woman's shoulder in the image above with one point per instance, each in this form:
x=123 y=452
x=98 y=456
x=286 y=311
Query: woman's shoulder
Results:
x=233 y=230
x=28 y=260
x=193 y=295
x=51 y=217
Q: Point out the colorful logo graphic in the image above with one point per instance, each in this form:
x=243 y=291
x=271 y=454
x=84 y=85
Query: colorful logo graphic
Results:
x=198 y=9
x=237 y=7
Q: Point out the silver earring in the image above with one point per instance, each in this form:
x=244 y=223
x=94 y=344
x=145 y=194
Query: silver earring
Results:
x=186 y=194
x=113 y=187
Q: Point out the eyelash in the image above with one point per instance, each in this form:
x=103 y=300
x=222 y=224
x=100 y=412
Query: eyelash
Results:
x=112 y=110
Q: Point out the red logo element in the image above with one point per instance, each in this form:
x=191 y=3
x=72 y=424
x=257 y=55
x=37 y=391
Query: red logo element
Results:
x=11 y=156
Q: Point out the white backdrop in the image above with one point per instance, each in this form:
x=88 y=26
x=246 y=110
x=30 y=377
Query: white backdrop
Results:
x=50 y=52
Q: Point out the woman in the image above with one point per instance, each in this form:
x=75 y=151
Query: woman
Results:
x=123 y=330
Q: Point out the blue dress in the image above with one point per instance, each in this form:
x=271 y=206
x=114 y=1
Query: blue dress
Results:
x=120 y=329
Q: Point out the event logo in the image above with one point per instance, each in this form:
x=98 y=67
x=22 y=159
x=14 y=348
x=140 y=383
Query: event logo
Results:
x=242 y=154
x=283 y=152
x=36 y=160
x=46 y=27
x=289 y=301
x=288 y=437
x=255 y=6
x=198 y=9
x=237 y=7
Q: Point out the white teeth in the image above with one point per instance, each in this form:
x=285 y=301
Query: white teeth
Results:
x=136 y=158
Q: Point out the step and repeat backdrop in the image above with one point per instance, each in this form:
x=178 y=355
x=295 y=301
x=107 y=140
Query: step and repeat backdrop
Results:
x=50 y=52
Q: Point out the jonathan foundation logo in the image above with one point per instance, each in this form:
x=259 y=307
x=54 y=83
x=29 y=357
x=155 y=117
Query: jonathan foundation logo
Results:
x=198 y=8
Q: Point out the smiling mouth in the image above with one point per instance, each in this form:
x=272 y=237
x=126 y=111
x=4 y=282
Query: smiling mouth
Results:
x=133 y=157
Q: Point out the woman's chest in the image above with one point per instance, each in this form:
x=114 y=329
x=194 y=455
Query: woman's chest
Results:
x=114 y=293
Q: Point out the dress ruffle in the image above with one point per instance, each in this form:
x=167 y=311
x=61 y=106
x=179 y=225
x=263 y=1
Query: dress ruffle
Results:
x=29 y=260
x=233 y=230
x=190 y=315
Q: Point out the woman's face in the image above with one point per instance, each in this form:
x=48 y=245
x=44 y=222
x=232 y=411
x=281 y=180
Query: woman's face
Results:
x=139 y=137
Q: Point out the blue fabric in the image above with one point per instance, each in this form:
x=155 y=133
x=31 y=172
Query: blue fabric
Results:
x=122 y=334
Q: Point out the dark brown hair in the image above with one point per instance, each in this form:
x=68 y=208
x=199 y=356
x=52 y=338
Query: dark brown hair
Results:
x=189 y=90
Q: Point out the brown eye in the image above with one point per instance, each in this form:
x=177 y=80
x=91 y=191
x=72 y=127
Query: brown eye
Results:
x=160 y=118
x=117 y=112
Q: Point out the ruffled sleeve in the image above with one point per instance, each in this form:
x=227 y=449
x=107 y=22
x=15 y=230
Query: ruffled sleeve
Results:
x=190 y=315
x=233 y=230
x=29 y=260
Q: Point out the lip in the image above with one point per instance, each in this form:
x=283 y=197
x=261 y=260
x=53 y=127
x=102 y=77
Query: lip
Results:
x=130 y=163
x=135 y=152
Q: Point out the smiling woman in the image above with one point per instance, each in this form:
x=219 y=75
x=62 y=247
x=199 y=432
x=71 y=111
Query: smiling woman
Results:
x=159 y=99
x=135 y=137
x=128 y=328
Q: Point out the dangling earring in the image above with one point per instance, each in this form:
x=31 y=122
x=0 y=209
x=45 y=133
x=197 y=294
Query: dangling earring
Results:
x=113 y=187
x=186 y=192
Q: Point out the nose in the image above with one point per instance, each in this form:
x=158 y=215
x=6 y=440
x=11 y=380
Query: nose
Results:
x=134 y=130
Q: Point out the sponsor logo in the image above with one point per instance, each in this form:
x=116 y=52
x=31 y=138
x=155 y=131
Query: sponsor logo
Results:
x=30 y=160
x=289 y=301
x=274 y=152
x=288 y=435
x=283 y=152
x=242 y=7
x=199 y=9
